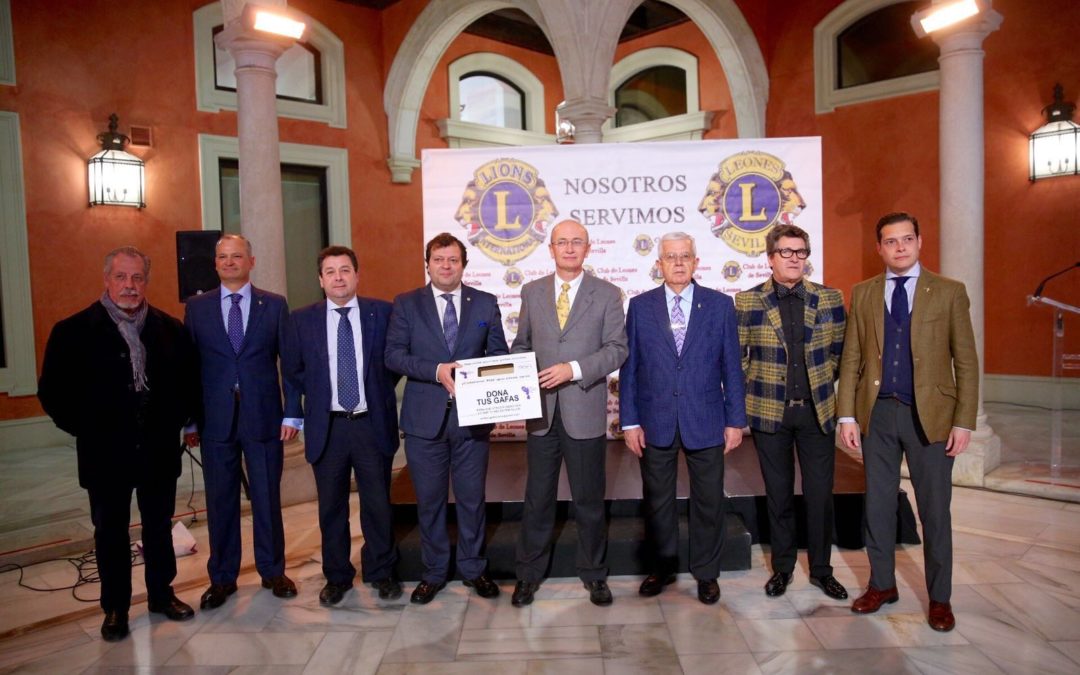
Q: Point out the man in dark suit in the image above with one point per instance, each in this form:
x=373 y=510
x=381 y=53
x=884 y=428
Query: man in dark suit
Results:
x=792 y=333
x=573 y=321
x=909 y=385
x=425 y=339
x=118 y=377
x=350 y=423
x=681 y=388
x=240 y=332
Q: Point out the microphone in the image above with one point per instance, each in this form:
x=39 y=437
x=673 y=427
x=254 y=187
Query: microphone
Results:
x=1038 y=291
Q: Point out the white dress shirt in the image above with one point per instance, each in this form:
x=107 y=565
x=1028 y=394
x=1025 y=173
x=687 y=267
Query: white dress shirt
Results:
x=333 y=318
x=571 y=293
x=440 y=307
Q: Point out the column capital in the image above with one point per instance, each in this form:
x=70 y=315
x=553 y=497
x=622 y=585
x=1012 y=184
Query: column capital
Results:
x=587 y=114
x=252 y=48
x=969 y=34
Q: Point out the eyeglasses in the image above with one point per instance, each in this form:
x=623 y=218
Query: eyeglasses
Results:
x=672 y=258
x=569 y=243
x=800 y=253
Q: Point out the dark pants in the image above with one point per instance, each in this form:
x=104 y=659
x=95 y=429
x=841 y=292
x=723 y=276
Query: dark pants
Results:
x=351 y=448
x=454 y=456
x=221 y=473
x=585 y=469
x=892 y=434
x=110 y=512
x=659 y=471
x=798 y=433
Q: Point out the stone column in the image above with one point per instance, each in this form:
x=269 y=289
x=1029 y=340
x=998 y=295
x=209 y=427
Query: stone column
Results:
x=261 y=219
x=587 y=116
x=961 y=146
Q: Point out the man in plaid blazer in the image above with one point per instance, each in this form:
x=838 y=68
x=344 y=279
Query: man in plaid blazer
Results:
x=791 y=332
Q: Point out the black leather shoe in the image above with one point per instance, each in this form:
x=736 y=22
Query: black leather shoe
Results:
x=777 y=584
x=485 y=587
x=830 y=587
x=425 y=592
x=216 y=595
x=654 y=584
x=708 y=591
x=523 y=593
x=282 y=586
x=388 y=588
x=115 y=626
x=173 y=609
x=332 y=594
x=599 y=593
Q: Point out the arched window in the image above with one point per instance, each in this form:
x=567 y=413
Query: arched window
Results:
x=655 y=94
x=494 y=100
x=866 y=50
x=311 y=74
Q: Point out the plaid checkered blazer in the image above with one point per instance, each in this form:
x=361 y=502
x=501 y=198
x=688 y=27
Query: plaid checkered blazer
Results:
x=764 y=352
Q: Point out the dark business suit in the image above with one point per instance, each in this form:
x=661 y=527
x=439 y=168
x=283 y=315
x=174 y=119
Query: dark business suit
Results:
x=125 y=440
x=242 y=413
x=336 y=445
x=438 y=449
x=683 y=400
x=574 y=421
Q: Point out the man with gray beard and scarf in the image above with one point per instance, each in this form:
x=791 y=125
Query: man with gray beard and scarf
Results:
x=118 y=376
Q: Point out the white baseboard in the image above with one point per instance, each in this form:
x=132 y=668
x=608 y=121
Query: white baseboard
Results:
x=32 y=432
x=1031 y=390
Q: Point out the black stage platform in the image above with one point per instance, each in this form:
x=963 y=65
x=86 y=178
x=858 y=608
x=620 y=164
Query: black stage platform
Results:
x=747 y=520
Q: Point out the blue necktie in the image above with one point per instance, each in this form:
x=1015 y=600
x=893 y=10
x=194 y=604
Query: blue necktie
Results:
x=449 y=322
x=899 y=308
x=236 y=323
x=678 y=325
x=348 y=384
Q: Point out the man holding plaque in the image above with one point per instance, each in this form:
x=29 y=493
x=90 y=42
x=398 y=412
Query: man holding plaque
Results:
x=682 y=388
x=430 y=329
x=574 y=323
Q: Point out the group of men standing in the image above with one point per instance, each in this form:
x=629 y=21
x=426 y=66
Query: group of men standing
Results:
x=695 y=369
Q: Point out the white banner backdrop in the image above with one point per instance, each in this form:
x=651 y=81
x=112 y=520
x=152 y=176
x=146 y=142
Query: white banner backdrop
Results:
x=727 y=194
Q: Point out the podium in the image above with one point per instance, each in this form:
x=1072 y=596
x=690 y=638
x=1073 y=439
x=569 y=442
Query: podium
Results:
x=1062 y=362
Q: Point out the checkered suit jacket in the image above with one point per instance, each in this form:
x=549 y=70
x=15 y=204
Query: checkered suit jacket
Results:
x=764 y=353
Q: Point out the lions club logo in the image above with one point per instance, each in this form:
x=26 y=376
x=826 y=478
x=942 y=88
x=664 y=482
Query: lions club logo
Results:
x=511 y=323
x=506 y=210
x=513 y=277
x=749 y=193
x=731 y=271
x=643 y=244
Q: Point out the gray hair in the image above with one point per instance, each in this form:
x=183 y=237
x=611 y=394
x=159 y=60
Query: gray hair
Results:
x=678 y=236
x=237 y=237
x=131 y=252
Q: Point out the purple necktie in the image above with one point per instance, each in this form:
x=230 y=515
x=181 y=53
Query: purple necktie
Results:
x=678 y=325
x=236 y=323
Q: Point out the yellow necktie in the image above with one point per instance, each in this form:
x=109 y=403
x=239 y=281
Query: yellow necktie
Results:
x=562 y=306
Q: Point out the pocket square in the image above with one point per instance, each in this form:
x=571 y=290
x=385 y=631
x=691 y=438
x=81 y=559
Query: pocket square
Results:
x=481 y=324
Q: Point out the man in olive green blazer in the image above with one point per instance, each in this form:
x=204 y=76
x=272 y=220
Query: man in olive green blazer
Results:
x=909 y=385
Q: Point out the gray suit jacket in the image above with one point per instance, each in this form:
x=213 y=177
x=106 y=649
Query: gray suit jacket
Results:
x=594 y=336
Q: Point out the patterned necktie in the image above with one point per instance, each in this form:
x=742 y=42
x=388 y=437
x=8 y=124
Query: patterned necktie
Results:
x=236 y=323
x=678 y=325
x=449 y=322
x=562 y=305
x=348 y=384
x=899 y=308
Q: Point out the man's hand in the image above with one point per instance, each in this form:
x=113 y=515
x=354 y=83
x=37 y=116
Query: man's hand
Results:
x=555 y=375
x=288 y=433
x=635 y=440
x=732 y=438
x=958 y=441
x=445 y=375
x=849 y=435
x=192 y=440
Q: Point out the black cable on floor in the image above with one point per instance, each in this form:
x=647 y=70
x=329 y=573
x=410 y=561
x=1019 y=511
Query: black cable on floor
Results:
x=85 y=567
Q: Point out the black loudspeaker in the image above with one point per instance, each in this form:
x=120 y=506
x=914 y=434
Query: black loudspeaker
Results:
x=195 y=261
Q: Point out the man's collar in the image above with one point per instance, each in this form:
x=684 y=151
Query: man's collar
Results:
x=912 y=273
x=331 y=305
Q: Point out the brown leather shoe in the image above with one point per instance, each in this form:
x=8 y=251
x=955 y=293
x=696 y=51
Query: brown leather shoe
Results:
x=941 y=617
x=872 y=600
x=282 y=586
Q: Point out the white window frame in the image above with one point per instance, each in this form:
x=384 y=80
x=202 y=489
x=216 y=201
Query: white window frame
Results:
x=7 y=45
x=208 y=98
x=214 y=148
x=459 y=134
x=827 y=96
x=690 y=126
x=19 y=378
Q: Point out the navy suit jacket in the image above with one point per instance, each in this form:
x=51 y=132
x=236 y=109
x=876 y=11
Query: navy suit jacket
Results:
x=266 y=339
x=700 y=390
x=312 y=372
x=415 y=346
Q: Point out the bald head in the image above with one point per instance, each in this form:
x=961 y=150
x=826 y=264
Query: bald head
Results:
x=569 y=248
